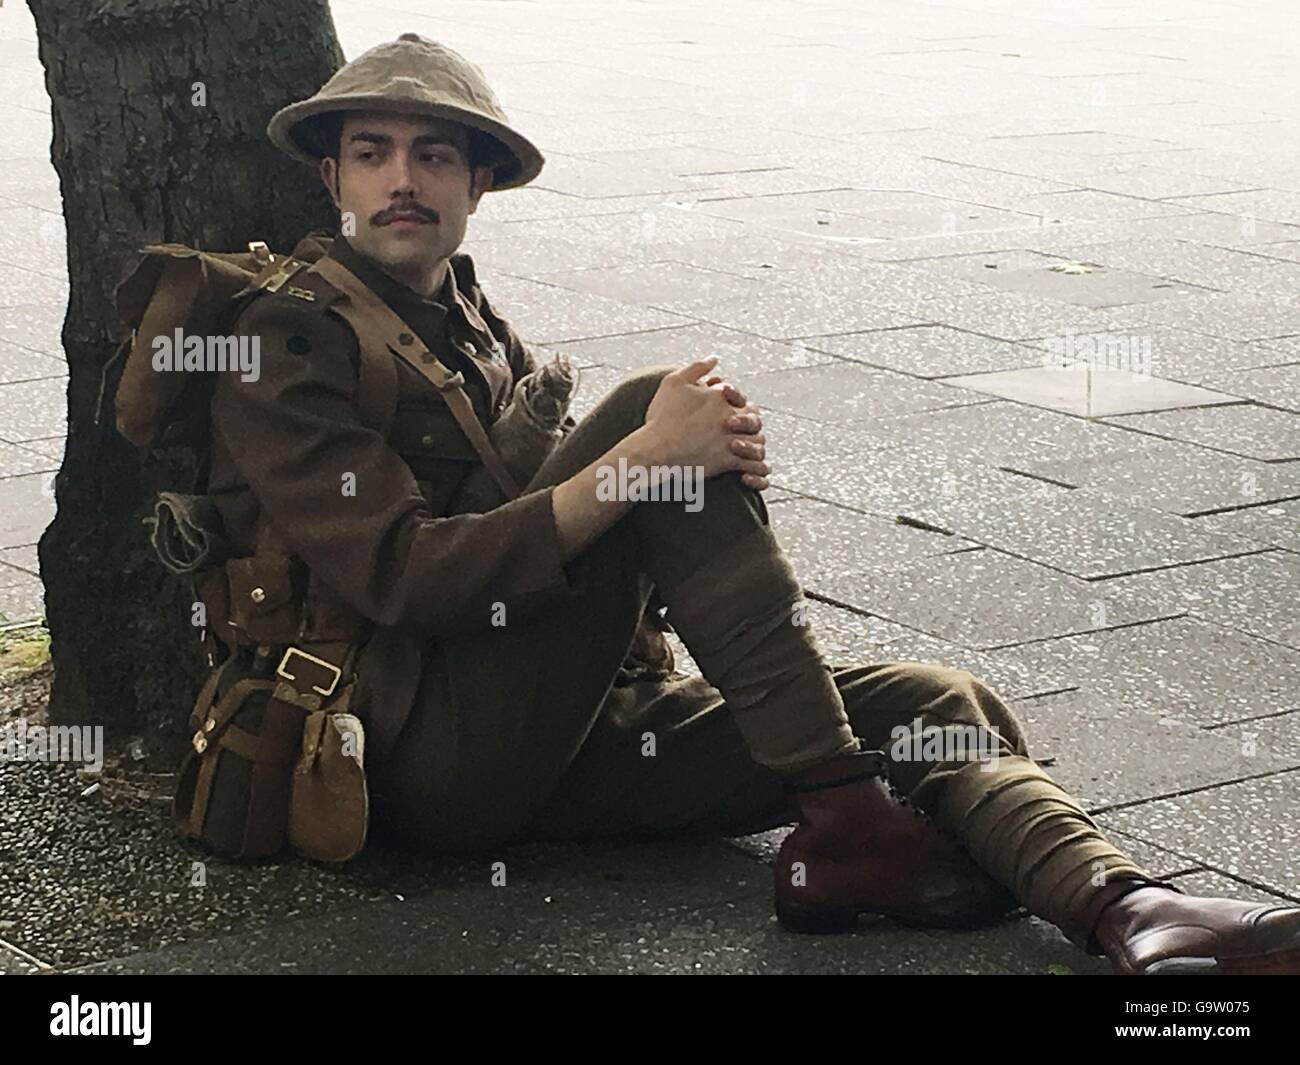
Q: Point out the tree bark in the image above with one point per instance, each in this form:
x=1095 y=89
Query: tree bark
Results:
x=140 y=159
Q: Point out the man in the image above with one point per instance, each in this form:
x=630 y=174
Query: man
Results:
x=487 y=690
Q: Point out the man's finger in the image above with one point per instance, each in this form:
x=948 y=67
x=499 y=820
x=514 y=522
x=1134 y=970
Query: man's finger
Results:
x=695 y=370
x=734 y=396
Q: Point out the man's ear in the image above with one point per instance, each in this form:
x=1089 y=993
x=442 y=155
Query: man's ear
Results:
x=329 y=175
x=481 y=181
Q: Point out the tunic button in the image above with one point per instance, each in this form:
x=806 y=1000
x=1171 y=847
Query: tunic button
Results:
x=427 y=440
x=405 y=338
x=257 y=595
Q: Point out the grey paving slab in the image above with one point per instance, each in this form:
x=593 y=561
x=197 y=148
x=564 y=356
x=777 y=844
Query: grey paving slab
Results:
x=852 y=394
x=34 y=240
x=1250 y=829
x=1002 y=433
x=1107 y=754
x=547 y=314
x=1178 y=260
x=33 y=409
x=893 y=481
x=1070 y=281
x=1082 y=532
x=1233 y=315
x=929 y=351
x=1275 y=386
x=1088 y=391
x=1288 y=347
x=588 y=178
x=23 y=558
x=830 y=546
x=1017 y=317
x=1216 y=885
x=1275 y=524
x=1187 y=668
x=849 y=638
x=741 y=355
x=1239 y=429
x=1170 y=353
x=984 y=599
x=51 y=447
x=19 y=287
x=22 y=597
x=23 y=364
x=35 y=327
x=757 y=255
x=788 y=313
x=1154 y=859
x=1172 y=476
x=1255 y=593
x=537 y=204
x=1088 y=205
x=15 y=460
x=1274 y=205
x=28 y=506
x=523 y=256
x=669 y=286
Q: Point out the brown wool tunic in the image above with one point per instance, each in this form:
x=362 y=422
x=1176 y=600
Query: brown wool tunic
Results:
x=285 y=443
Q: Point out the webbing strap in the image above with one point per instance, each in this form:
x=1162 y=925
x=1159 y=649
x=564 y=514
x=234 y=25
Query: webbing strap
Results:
x=373 y=315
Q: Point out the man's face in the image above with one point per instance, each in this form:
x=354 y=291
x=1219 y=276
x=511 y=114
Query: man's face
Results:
x=405 y=182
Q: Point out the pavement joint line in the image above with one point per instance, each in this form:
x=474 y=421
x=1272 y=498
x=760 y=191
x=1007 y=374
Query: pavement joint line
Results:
x=1047 y=694
x=1192 y=791
x=1037 y=477
x=1247 y=720
x=1081 y=632
x=1262 y=550
x=1244 y=506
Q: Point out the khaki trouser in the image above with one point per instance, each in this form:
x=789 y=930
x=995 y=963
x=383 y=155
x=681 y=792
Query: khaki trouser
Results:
x=531 y=742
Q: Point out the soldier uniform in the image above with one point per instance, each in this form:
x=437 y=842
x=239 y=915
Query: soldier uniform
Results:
x=481 y=733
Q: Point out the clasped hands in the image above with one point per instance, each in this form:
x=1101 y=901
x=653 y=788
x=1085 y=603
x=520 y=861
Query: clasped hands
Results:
x=698 y=419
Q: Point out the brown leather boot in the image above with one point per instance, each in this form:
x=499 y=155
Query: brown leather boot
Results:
x=1153 y=931
x=864 y=849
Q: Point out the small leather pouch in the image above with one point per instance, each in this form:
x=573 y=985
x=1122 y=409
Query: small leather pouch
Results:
x=329 y=809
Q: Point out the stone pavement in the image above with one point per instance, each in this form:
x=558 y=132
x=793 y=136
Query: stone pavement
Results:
x=1018 y=293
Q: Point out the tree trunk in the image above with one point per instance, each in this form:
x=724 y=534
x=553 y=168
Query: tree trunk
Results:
x=142 y=157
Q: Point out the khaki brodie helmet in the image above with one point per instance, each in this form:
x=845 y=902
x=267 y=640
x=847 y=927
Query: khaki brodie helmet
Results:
x=412 y=75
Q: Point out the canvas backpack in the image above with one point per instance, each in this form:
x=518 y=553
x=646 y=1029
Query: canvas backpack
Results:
x=275 y=755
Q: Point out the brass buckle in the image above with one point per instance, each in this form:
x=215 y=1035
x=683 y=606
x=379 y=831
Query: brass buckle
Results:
x=280 y=670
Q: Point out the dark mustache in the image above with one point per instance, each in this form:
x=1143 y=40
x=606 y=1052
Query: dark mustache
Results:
x=389 y=213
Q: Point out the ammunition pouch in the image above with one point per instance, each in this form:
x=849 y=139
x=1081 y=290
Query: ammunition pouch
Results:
x=276 y=758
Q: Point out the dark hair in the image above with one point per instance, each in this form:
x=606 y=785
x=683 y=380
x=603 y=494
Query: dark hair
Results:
x=324 y=133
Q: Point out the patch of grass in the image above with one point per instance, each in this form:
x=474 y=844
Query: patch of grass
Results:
x=23 y=652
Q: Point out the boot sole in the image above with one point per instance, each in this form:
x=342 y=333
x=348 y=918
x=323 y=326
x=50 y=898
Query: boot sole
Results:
x=806 y=919
x=1277 y=963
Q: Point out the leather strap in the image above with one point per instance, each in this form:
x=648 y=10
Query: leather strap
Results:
x=375 y=317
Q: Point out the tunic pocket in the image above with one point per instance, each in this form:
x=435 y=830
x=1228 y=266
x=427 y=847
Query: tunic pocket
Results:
x=432 y=445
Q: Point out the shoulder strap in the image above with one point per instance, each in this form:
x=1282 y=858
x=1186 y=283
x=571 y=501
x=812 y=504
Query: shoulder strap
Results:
x=372 y=317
